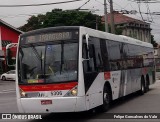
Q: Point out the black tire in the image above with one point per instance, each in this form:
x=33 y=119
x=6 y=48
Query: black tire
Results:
x=143 y=90
x=106 y=99
x=147 y=84
x=3 y=78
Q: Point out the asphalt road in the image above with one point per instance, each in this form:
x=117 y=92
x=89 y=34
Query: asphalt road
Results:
x=147 y=103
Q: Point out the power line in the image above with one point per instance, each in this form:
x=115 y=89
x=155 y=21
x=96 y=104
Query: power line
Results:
x=20 y=15
x=145 y=1
x=44 y=4
x=83 y=4
x=99 y=2
x=140 y=10
x=148 y=11
x=122 y=8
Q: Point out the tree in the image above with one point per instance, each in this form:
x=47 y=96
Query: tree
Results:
x=58 y=17
x=153 y=42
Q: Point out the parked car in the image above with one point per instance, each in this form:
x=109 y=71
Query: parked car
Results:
x=10 y=75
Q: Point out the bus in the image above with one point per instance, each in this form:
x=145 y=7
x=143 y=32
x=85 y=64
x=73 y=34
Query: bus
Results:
x=75 y=69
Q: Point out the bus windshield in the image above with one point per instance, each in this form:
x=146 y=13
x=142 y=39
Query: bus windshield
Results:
x=48 y=62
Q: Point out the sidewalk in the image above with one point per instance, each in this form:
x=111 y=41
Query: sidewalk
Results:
x=157 y=75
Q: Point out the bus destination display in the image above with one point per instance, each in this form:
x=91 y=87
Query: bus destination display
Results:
x=56 y=36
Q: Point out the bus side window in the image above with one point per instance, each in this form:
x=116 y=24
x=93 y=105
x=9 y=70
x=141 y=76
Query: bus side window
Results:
x=89 y=65
x=98 y=59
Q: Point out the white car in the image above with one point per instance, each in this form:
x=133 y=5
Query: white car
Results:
x=10 y=75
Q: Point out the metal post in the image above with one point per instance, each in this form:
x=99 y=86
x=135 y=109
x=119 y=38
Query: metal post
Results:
x=105 y=16
x=96 y=23
x=112 y=17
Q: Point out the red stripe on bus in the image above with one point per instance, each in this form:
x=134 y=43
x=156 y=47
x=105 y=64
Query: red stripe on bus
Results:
x=48 y=87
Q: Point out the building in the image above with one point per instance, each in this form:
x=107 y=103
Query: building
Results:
x=8 y=34
x=131 y=27
x=157 y=58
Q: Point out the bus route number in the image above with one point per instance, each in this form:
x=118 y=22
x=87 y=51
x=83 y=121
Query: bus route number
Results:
x=56 y=93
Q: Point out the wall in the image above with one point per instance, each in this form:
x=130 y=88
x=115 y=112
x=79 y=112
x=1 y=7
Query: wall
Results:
x=10 y=35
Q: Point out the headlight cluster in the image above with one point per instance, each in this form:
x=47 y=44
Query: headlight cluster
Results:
x=72 y=92
x=22 y=93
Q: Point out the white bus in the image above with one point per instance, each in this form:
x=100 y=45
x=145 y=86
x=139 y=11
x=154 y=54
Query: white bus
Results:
x=73 y=69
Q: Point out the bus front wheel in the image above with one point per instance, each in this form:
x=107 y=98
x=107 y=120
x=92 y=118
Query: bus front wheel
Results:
x=106 y=98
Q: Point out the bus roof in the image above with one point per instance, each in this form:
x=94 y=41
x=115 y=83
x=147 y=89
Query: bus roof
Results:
x=92 y=32
x=49 y=29
x=113 y=37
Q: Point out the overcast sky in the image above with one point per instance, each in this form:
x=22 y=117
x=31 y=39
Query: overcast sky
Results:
x=18 y=16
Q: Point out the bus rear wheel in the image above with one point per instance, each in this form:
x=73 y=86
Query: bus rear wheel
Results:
x=142 y=91
x=147 y=83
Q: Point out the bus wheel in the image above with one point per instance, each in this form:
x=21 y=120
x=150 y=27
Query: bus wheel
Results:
x=142 y=91
x=106 y=98
x=147 y=83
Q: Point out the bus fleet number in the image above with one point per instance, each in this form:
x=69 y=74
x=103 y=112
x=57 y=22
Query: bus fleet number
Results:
x=56 y=93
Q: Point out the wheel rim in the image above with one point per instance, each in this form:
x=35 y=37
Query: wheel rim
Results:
x=106 y=98
x=142 y=88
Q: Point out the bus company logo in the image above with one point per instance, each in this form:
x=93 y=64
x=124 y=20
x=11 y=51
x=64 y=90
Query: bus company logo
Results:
x=107 y=75
x=6 y=116
x=20 y=116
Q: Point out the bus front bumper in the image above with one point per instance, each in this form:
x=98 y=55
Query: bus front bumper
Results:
x=51 y=105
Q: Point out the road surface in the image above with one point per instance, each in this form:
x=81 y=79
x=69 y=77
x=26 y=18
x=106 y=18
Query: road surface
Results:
x=147 y=103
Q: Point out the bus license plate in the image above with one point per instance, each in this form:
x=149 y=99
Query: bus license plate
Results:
x=46 y=102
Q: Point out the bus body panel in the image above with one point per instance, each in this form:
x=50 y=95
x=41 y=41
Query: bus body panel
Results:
x=122 y=82
x=19 y=105
x=58 y=105
x=95 y=93
x=81 y=86
x=33 y=105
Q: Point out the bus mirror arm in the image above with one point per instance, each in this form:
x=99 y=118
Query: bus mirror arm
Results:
x=87 y=38
x=87 y=42
x=89 y=56
x=83 y=59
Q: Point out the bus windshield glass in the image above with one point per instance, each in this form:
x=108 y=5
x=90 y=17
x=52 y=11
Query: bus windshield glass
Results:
x=49 y=62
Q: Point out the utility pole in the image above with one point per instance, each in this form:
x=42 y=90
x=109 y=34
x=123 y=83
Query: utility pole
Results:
x=105 y=16
x=112 y=17
x=96 y=23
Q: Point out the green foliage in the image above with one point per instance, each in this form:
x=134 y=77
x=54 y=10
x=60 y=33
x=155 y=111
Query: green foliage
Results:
x=153 y=42
x=58 y=17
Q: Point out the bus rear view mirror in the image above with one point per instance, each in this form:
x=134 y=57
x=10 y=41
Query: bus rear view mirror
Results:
x=87 y=39
x=87 y=48
x=10 y=61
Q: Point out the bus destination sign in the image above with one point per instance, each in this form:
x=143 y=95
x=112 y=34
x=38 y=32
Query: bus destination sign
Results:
x=48 y=37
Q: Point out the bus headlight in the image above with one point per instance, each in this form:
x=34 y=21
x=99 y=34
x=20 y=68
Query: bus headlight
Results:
x=72 y=92
x=22 y=93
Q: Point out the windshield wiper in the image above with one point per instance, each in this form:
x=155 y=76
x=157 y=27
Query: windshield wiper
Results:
x=36 y=53
x=39 y=57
